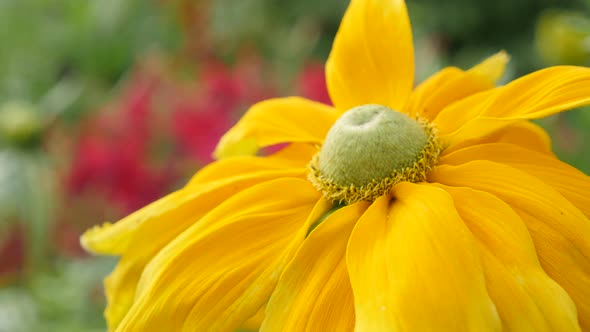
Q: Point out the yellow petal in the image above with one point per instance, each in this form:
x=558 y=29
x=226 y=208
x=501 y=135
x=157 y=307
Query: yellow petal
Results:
x=120 y=286
x=214 y=181
x=295 y=156
x=492 y=68
x=540 y=94
x=526 y=298
x=456 y=115
x=559 y=230
x=414 y=266
x=274 y=121
x=314 y=291
x=452 y=84
x=523 y=133
x=113 y=239
x=567 y=180
x=419 y=98
x=139 y=237
x=543 y=93
x=372 y=58
x=220 y=271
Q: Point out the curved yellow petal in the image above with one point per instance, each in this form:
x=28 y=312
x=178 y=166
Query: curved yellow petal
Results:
x=114 y=239
x=523 y=133
x=120 y=288
x=295 y=156
x=559 y=230
x=418 y=101
x=121 y=285
x=220 y=271
x=567 y=180
x=414 y=266
x=543 y=93
x=540 y=94
x=526 y=298
x=274 y=121
x=458 y=114
x=162 y=222
x=372 y=58
x=314 y=291
x=452 y=84
x=492 y=68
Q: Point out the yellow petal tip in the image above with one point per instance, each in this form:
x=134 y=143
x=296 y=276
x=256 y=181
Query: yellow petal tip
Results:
x=493 y=67
x=91 y=239
x=229 y=146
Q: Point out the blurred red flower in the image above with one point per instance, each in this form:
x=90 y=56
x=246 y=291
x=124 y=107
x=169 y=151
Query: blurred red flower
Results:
x=154 y=136
x=311 y=83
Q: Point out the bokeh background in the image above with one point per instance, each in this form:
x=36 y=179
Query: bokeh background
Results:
x=107 y=105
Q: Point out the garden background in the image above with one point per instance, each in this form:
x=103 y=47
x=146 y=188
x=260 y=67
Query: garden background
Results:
x=107 y=105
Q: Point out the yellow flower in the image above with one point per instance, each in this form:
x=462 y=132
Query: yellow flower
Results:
x=477 y=226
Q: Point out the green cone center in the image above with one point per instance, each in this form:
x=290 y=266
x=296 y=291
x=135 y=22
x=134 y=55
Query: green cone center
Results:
x=368 y=143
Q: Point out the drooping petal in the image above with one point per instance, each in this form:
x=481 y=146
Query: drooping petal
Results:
x=462 y=112
x=274 y=121
x=526 y=298
x=523 y=133
x=567 y=180
x=452 y=84
x=294 y=156
x=220 y=177
x=540 y=94
x=559 y=230
x=220 y=271
x=418 y=99
x=113 y=239
x=314 y=291
x=543 y=93
x=492 y=68
x=414 y=266
x=164 y=220
x=372 y=58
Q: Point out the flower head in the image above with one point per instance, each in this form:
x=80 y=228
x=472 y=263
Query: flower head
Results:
x=474 y=225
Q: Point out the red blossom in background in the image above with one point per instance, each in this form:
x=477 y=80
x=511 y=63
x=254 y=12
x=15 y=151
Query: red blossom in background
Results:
x=311 y=83
x=197 y=129
x=112 y=153
x=11 y=254
x=144 y=145
x=201 y=116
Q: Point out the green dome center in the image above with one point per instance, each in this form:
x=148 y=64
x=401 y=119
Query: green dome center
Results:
x=368 y=143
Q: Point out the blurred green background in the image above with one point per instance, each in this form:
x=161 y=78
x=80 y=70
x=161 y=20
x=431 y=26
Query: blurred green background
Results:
x=107 y=105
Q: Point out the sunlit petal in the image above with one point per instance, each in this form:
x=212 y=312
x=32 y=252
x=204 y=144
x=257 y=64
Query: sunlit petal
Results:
x=452 y=84
x=540 y=94
x=242 y=247
x=559 y=230
x=523 y=133
x=414 y=266
x=567 y=180
x=164 y=220
x=372 y=58
x=314 y=292
x=526 y=298
x=294 y=157
x=274 y=121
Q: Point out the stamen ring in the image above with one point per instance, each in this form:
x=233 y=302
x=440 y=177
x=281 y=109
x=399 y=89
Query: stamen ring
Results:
x=348 y=194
